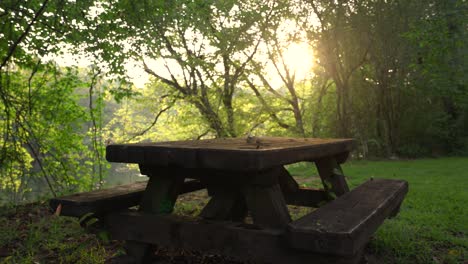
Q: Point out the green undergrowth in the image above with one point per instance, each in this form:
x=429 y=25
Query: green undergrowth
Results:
x=432 y=225
x=32 y=234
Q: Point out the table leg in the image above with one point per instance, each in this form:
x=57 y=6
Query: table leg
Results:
x=225 y=205
x=287 y=183
x=161 y=194
x=159 y=197
x=332 y=176
x=226 y=202
x=267 y=206
x=265 y=200
x=259 y=192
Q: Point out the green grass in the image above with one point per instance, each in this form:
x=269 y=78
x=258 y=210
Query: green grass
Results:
x=433 y=222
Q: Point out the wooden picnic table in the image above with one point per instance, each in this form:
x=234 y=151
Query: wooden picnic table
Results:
x=247 y=176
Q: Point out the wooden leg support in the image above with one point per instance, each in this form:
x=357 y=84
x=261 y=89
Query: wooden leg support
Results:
x=225 y=205
x=161 y=194
x=267 y=206
x=159 y=197
x=332 y=176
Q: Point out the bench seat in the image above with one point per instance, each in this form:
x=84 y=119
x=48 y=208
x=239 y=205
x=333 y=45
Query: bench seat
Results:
x=103 y=201
x=344 y=226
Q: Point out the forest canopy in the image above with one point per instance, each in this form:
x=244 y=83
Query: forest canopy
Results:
x=390 y=74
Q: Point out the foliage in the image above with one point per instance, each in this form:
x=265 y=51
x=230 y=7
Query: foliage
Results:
x=32 y=235
x=44 y=132
x=42 y=125
x=390 y=74
x=202 y=48
x=381 y=67
x=397 y=69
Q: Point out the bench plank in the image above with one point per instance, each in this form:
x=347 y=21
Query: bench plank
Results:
x=100 y=201
x=106 y=200
x=345 y=225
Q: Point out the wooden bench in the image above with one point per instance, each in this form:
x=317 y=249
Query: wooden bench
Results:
x=101 y=202
x=344 y=226
x=337 y=232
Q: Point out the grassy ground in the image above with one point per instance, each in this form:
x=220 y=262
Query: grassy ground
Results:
x=432 y=226
x=32 y=234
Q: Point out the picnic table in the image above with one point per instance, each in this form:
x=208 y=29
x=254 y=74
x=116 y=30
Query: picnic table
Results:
x=244 y=177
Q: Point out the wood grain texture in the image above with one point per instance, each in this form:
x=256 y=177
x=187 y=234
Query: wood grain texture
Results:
x=344 y=225
x=231 y=154
x=239 y=241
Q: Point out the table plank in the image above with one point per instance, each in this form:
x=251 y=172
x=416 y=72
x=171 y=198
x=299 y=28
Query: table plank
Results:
x=233 y=153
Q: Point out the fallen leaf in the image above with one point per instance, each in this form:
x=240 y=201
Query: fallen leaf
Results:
x=58 y=210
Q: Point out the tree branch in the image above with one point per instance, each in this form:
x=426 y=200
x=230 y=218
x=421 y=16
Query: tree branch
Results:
x=12 y=49
x=172 y=82
x=153 y=123
x=266 y=106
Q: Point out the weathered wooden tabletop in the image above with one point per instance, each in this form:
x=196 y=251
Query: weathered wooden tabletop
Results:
x=255 y=153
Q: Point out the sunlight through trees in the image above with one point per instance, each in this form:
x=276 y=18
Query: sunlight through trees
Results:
x=390 y=74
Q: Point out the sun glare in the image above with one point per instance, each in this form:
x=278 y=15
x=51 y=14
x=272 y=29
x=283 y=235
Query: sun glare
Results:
x=298 y=58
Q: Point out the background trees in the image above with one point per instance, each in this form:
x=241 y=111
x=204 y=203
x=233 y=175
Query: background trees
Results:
x=202 y=48
x=388 y=73
x=44 y=139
